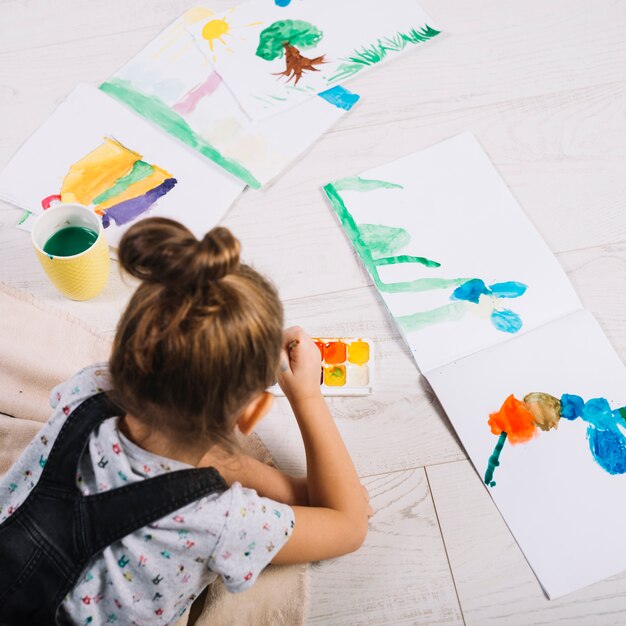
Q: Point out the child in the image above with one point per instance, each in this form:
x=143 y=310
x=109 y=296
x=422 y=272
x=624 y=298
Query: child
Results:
x=195 y=350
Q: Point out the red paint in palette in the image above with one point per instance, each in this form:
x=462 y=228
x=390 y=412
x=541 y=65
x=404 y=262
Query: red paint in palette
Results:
x=335 y=352
x=320 y=347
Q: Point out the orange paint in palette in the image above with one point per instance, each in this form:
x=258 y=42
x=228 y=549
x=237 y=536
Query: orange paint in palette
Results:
x=335 y=351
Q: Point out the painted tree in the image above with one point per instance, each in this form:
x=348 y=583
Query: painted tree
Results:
x=286 y=38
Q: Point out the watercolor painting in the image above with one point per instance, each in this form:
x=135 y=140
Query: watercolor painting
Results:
x=542 y=417
x=519 y=421
x=274 y=56
x=115 y=181
x=378 y=245
x=94 y=151
x=450 y=251
x=176 y=87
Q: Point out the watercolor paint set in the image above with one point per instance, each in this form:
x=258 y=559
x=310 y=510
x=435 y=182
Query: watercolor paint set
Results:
x=347 y=366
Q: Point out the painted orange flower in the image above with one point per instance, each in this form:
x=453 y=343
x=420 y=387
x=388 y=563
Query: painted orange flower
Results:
x=514 y=419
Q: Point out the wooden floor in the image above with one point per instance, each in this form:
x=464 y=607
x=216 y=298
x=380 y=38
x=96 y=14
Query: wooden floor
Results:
x=542 y=83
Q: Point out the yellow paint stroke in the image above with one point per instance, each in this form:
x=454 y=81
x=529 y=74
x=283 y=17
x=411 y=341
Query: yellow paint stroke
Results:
x=98 y=170
x=178 y=31
x=137 y=189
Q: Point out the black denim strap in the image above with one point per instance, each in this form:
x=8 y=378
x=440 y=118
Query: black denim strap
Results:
x=111 y=515
x=62 y=463
x=108 y=516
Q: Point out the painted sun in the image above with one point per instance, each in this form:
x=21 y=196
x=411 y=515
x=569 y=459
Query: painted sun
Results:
x=218 y=30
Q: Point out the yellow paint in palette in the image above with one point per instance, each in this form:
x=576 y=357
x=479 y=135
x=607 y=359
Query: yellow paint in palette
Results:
x=335 y=375
x=359 y=352
x=98 y=170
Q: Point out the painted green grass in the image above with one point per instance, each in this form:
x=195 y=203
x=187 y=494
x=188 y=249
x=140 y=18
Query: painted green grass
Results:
x=376 y=52
x=354 y=233
x=153 y=109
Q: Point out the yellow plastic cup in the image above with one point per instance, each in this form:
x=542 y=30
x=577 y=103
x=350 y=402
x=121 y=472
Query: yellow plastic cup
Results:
x=81 y=276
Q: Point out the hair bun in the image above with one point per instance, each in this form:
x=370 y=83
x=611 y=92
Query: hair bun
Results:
x=160 y=250
x=219 y=252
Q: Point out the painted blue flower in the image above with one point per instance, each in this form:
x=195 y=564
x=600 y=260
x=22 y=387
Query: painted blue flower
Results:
x=504 y=320
x=571 y=406
x=606 y=441
x=470 y=291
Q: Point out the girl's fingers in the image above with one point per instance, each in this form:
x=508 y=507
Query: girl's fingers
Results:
x=293 y=333
x=284 y=361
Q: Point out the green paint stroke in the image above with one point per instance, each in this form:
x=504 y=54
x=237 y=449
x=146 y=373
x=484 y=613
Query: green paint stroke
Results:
x=140 y=170
x=406 y=258
x=356 y=183
x=371 y=265
x=376 y=52
x=25 y=215
x=383 y=240
x=417 y=321
x=494 y=461
x=153 y=109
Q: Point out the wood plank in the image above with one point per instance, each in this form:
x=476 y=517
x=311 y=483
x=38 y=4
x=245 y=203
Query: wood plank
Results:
x=401 y=575
x=27 y=22
x=598 y=275
x=494 y=582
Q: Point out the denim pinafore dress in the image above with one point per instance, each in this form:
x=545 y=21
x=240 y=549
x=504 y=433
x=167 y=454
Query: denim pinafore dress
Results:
x=50 y=539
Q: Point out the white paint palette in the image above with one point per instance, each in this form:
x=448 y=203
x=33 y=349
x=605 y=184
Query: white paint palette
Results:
x=346 y=368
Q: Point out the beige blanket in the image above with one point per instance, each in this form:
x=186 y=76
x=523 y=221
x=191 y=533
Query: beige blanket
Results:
x=40 y=347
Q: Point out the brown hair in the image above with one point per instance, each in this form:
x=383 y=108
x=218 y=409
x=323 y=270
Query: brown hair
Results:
x=201 y=335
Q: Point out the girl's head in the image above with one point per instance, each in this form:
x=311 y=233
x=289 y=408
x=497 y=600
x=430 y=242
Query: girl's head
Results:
x=201 y=337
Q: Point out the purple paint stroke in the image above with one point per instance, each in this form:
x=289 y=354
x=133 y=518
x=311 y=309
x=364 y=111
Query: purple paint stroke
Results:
x=191 y=99
x=131 y=209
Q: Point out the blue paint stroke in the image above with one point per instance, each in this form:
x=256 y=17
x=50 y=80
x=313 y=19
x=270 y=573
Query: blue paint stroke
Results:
x=282 y=3
x=509 y=289
x=506 y=321
x=606 y=441
x=470 y=291
x=131 y=209
x=571 y=406
x=340 y=97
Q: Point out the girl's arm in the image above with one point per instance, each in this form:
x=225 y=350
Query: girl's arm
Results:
x=335 y=522
x=266 y=480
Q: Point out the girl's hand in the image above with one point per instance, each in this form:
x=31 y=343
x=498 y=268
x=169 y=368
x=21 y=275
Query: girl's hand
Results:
x=300 y=366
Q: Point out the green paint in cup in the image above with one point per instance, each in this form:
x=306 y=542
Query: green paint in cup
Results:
x=70 y=241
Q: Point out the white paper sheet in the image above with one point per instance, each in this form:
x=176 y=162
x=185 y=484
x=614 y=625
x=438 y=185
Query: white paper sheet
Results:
x=172 y=84
x=323 y=41
x=87 y=118
x=449 y=205
x=566 y=512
